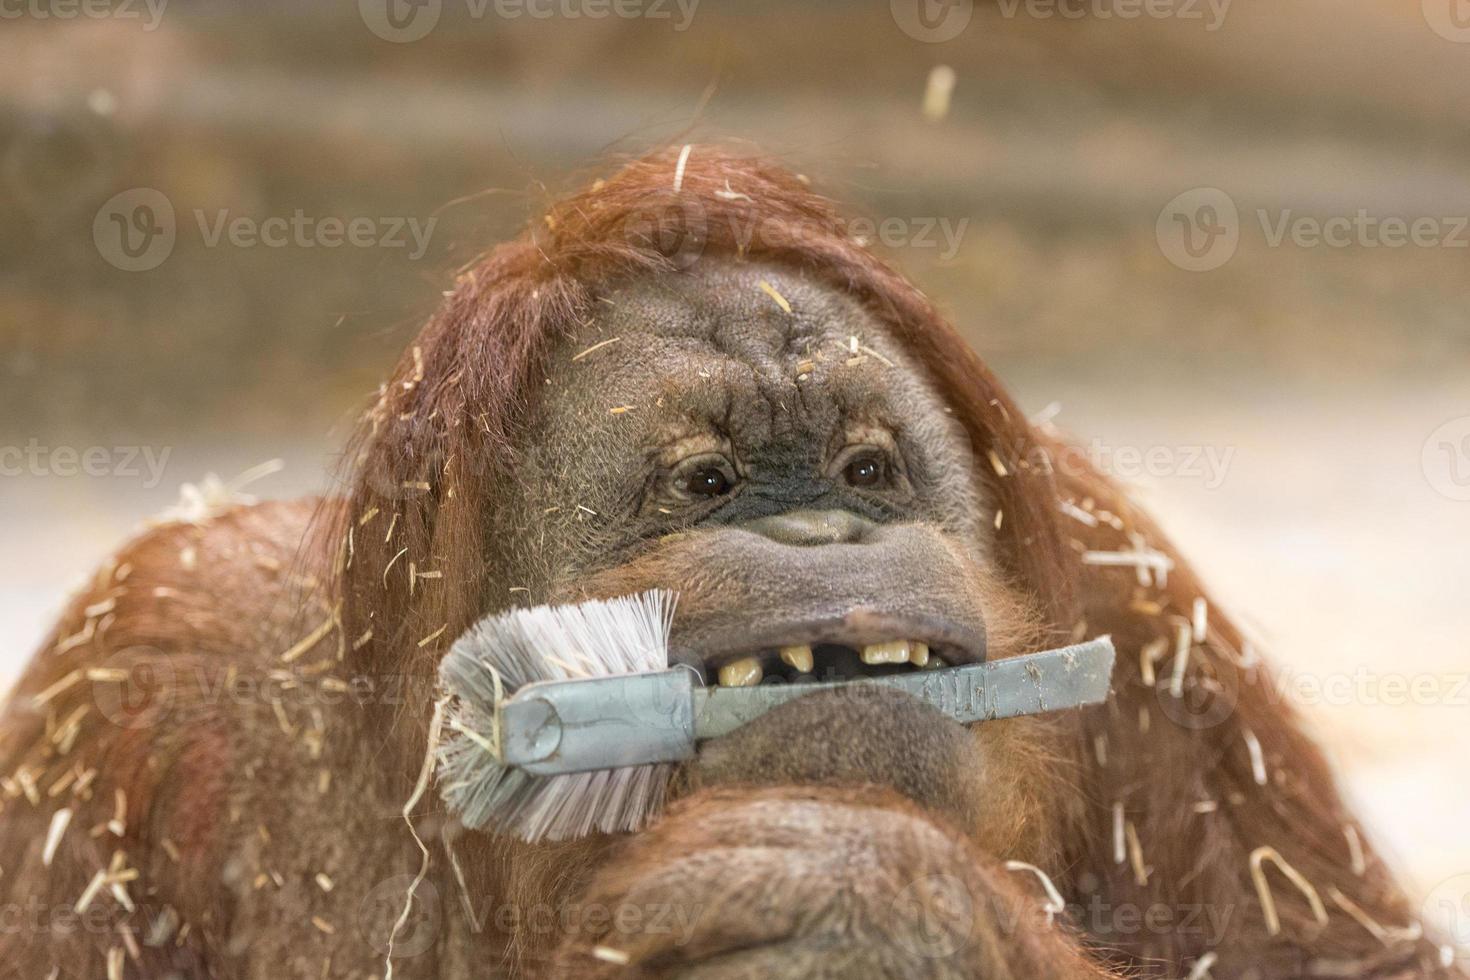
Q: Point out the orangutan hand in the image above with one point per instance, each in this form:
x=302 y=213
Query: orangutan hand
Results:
x=812 y=882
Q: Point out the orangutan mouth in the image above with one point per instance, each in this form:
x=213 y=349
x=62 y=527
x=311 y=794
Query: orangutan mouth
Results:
x=859 y=643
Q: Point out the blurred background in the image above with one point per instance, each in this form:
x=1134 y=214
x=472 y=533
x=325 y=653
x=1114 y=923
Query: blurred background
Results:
x=1222 y=243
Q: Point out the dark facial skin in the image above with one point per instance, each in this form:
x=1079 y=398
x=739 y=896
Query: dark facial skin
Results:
x=752 y=459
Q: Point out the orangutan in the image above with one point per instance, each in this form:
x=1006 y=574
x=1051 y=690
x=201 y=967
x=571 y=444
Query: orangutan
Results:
x=687 y=376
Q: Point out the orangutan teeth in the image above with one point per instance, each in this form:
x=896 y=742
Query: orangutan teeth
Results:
x=892 y=652
x=798 y=657
x=741 y=673
x=801 y=658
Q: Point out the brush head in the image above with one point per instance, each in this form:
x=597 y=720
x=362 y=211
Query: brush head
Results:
x=501 y=654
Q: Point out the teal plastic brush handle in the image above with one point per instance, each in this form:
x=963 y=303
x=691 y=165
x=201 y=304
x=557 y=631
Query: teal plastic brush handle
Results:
x=554 y=727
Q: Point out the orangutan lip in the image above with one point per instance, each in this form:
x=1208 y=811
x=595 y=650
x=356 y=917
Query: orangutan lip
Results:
x=860 y=642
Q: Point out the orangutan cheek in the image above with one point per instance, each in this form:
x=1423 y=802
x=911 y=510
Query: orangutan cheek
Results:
x=1016 y=771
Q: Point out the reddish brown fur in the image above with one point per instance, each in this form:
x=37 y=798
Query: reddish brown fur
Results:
x=427 y=464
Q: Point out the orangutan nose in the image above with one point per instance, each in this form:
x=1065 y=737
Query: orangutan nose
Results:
x=808 y=527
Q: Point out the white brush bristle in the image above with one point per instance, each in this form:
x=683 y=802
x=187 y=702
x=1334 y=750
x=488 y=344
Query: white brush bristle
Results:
x=499 y=655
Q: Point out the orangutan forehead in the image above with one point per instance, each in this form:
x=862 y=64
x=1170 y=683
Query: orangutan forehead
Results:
x=733 y=346
x=767 y=317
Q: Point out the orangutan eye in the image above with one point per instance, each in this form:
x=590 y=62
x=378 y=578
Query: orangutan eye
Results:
x=865 y=467
x=707 y=481
x=865 y=471
x=704 y=477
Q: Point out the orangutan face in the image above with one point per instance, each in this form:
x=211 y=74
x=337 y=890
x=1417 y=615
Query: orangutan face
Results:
x=758 y=444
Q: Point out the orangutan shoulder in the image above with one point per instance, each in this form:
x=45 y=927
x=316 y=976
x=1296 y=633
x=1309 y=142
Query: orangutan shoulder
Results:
x=228 y=584
x=237 y=563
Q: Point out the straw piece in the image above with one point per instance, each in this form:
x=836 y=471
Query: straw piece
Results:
x=1150 y=654
x=1355 y=849
x=1263 y=888
x=1258 y=758
x=596 y=347
x=770 y=291
x=436 y=726
x=679 y=167
x=60 y=820
x=1387 y=936
x=1135 y=856
x=1182 y=647
x=1201 y=968
x=1055 y=904
x=1200 y=619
